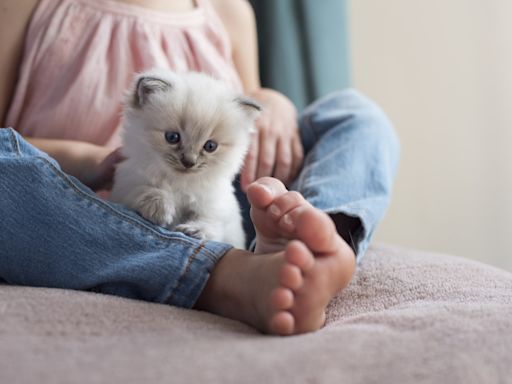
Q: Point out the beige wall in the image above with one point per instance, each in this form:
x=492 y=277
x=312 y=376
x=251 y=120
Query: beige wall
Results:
x=442 y=70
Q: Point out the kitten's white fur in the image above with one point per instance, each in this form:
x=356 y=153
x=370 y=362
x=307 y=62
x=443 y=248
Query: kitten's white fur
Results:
x=200 y=200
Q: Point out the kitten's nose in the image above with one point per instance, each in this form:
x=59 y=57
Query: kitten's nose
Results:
x=187 y=162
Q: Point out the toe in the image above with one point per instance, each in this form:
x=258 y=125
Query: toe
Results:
x=299 y=255
x=282 y=323
x=259 y=195
x=309 y=322
x=285 y=203
x=291 y=277
x=273 y=184
x=288 y=222
x=264 y=190
x=316 y=229
x=281 y=299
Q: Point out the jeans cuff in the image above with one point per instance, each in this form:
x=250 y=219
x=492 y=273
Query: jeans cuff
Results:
x=196 y=273
x=360 y=237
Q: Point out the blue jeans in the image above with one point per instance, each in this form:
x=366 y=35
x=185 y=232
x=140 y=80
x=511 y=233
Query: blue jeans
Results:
x=55 y=232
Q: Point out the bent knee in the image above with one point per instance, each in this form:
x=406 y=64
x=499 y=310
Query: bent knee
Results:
x=349 y=109
x=352 y=104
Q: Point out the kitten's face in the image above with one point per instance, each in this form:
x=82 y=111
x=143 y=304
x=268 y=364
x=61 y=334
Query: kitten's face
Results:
x=191 y=137
x=193 y=122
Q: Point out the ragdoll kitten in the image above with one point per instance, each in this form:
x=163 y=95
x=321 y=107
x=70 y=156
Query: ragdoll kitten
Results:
x=185 y=138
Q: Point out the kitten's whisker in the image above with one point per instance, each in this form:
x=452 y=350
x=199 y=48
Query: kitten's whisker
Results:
x=171 y=161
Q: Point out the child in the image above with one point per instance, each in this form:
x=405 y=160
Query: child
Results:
x=79 y=56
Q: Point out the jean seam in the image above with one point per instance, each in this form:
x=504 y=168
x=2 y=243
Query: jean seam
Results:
x=181 y=279
x=14 y=142
x=120 y=215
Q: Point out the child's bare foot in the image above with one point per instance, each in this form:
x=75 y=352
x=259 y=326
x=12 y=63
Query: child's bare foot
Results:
x=274 y=211
x=284 y=292
x=257 y=289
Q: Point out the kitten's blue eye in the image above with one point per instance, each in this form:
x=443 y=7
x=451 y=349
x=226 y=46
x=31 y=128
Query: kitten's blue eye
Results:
x=172 y=137
x=210 y=146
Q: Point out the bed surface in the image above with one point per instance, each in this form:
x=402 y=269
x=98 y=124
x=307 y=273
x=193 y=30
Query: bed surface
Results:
x=407 y=317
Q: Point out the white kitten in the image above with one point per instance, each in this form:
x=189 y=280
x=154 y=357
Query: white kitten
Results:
x=185 y=138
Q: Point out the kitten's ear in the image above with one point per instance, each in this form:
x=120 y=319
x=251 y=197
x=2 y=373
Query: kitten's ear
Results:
x=145 y=87
x=250 y=107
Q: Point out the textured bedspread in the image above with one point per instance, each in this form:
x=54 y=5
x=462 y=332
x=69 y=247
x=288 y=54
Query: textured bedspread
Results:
x=407 y=317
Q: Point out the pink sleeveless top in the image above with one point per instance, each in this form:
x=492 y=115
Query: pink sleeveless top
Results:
x=80 y=57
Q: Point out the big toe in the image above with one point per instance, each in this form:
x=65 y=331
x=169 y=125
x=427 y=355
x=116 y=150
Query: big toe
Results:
x=317 y=230
x=263 y=191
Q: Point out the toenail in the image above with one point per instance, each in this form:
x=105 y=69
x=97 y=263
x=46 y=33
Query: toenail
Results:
x=266 y=188
x=274 y=210
x=287 y=220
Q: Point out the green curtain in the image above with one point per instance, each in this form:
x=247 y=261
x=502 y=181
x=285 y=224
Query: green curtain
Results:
x=302 y=47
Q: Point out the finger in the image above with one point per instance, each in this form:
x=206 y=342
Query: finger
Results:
x=105 y=175
x=103 y=179
x=118 y=155
x=283 y=161
x=113 y=158
x=106 y=169
x=267 y=154
x=248 y=174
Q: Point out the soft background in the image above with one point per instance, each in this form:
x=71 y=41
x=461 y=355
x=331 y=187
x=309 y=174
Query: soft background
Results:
x=442 y=72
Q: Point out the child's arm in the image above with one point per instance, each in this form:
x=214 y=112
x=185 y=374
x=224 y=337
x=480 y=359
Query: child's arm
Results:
x=92 y=164
x=14 y=18
x=277 y=149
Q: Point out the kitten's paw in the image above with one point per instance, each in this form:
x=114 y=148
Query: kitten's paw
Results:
x=155 y=207
x=193 y=229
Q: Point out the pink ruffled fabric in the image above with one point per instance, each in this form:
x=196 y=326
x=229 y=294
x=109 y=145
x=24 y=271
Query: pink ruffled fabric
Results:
x=80 y=57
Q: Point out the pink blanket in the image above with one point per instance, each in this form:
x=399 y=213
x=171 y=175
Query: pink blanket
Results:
x=407 y=317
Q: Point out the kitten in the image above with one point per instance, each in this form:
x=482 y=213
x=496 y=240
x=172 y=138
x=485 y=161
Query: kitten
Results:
x=185 y=137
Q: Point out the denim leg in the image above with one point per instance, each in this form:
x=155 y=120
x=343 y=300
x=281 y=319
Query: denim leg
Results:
x=55 y=232
x=351 y=157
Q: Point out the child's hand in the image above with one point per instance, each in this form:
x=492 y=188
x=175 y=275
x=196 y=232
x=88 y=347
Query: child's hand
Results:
x=275 y=149
x=99 y=166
